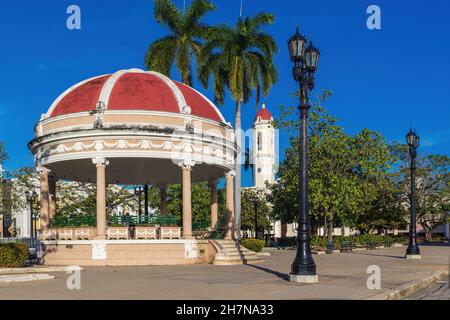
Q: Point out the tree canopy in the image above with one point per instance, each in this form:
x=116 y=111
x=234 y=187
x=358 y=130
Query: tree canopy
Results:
x=346 y=172
x=184 y=41
x=432 y=187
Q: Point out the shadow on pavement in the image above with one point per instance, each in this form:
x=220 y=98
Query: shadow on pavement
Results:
x=276 y=273
x=434 y=244
x=378 y=255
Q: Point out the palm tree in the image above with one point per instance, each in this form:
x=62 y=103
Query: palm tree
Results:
x=239 y=58
x=184 y=41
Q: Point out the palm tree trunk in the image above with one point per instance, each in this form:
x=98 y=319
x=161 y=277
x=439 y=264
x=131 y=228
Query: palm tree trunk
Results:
x=330 y=243
x=257 y=98
x=237 y=178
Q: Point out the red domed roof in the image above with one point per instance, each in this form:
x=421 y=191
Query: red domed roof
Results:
x=134 y=89
x=264 y=114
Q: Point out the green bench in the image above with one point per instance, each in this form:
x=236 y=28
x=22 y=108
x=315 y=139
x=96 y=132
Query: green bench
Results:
x=163 y=220
x=370 y=245
x=347 y=246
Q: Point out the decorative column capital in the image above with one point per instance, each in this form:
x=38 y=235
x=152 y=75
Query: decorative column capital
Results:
x=42 y=170
x=100 y=161
x=186 y=164
x=230 y=173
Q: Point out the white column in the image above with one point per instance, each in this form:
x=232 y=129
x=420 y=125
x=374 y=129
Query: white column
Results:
x=101 y=164
x=186 y=167
x=214 y=204
x=43 y=199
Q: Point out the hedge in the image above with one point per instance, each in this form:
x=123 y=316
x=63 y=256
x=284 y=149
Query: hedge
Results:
x=255 y=245
x=13 y=255
x=361 y=240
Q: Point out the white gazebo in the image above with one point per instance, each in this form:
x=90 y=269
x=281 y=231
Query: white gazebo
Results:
x=131 y=127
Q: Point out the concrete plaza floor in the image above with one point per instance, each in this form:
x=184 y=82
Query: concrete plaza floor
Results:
x=341 y=276
x=437 y=291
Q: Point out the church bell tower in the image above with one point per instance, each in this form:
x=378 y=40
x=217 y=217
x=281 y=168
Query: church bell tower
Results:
x=263 y=153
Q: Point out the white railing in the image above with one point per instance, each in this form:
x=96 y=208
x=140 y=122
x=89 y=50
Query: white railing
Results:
x=147 y=233
x=118 y=233
x=84 y=234
x=65 y=234
x=170 y=233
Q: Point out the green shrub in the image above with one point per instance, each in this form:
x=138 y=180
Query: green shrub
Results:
x=255 y=245
x=320 y=243
x=287 y=242
x=13 y=255
x=270 y=243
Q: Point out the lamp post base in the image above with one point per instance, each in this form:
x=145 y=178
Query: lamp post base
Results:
x=413 y=256
x=303 y=278
x=330 y=248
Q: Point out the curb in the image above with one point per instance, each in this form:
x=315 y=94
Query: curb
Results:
x=263 y=254
x=25 y=278
x=320 y=252
x=411 y=287
x=34 y=270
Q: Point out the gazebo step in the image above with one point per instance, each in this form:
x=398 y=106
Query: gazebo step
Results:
x=229 y=252
x=237 y=251
x=232 y=261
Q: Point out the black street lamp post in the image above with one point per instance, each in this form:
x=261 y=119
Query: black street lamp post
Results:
x=305 y=65
x=255 y=204
x=31 y=198
x=413 y=251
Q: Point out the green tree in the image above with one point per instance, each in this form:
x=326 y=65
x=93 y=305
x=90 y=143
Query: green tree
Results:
x=76 y=199
x=433 y=188
x=201 y=202
x=383 y=205
x=339 y=164
x=184 y=41
x=239 y=58
x=248 y=211
x=12 y=192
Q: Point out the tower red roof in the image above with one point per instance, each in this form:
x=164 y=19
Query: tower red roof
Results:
x=264 y=114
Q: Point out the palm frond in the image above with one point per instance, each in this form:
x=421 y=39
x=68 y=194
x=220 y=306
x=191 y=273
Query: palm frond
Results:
x=197 y=10
x=161 y=54
x=166 y=13
x=261 y=19
x=183 y=63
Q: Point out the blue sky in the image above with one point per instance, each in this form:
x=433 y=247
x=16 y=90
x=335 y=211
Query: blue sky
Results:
x=386 y=80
